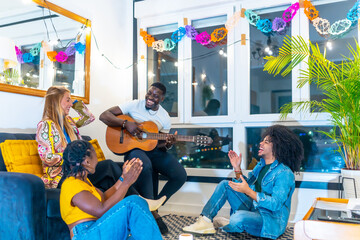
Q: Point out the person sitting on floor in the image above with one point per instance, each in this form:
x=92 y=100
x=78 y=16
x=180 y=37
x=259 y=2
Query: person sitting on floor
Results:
x=91 y=214
x=261 y=203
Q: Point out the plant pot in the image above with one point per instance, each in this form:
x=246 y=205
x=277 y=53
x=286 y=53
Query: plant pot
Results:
x=351 y=183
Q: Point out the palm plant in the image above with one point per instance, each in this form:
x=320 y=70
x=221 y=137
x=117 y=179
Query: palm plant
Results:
x=340 y=84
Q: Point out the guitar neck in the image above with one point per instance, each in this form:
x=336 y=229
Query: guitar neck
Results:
x=163 y=136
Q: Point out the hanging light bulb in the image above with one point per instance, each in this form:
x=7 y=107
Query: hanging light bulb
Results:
x=203 y=76
x=329 y=45
x=221 y=52
x=212 y=87
x=151 y=75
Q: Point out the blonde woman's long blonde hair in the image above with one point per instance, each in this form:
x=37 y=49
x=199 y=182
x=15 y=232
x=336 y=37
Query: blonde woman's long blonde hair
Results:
x=54 y=112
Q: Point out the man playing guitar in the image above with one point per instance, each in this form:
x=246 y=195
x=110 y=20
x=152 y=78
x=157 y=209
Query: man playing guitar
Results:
x=157 y=160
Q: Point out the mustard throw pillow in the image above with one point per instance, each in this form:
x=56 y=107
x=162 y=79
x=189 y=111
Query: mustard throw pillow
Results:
x=22 y=156
x=99 y=153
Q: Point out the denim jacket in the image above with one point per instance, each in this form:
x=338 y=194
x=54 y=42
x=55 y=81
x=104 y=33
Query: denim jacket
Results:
x=274 y=200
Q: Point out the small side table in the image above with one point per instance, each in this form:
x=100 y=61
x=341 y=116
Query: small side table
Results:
x=312 y=227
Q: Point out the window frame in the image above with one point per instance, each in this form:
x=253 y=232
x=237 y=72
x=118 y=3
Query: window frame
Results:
x=239 y=117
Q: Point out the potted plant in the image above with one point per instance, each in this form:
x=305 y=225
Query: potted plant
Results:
x=340 y=84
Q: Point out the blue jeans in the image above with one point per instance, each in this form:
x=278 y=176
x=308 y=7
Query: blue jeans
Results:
x=129 y=216
x=243 y=215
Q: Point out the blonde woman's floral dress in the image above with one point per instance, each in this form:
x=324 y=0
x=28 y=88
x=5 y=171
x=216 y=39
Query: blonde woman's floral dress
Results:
x=51 y=147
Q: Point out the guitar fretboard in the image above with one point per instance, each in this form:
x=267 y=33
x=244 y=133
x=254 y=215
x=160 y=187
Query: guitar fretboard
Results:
x=162 y=136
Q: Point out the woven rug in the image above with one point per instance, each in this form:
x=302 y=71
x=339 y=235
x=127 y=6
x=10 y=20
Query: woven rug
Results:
x=175 y=223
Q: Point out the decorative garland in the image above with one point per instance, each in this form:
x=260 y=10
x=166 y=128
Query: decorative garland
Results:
x=278 y=25
x=208 y=40
x=61 y=56
x=266 y=26
x=338 y=28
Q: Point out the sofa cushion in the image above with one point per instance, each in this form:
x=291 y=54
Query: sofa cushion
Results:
x=99 y=153
x=14 y=136
x=21 y=156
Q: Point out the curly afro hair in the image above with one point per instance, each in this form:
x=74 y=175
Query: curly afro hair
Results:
x=287 y=147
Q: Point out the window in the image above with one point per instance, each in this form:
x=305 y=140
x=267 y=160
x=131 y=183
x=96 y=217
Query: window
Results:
x=29 y=71
x=224 y=87
x=335 y=48
x=212 y=156
x=162 y=67
x=209 y=71
x=319 y=150
x=267 y=93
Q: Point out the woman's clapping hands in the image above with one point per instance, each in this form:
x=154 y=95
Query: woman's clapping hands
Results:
x=132 y=170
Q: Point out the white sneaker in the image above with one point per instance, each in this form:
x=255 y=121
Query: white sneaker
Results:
x=220 y=222
x=155 y=204
x=201 y=227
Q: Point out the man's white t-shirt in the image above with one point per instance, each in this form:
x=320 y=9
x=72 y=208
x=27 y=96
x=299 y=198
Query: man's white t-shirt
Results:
x=136 y=109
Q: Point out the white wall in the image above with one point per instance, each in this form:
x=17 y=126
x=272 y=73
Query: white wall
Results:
x=112 y=23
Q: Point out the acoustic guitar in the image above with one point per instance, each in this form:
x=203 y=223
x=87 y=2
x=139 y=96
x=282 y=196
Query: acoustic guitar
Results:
x=120 y=141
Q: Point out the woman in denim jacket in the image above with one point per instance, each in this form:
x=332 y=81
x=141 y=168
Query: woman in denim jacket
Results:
x=261 y=203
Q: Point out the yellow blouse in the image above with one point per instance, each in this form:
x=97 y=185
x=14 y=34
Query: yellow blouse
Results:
x=70 y=187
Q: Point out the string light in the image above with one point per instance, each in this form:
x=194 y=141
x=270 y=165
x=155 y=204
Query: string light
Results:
x=142 y=59
x=329 y=45
x=151 y=74
x=203 y=76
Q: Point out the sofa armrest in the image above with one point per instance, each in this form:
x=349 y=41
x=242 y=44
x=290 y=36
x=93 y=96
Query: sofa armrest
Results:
x=22 y=206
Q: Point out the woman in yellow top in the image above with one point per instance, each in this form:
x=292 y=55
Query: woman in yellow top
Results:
x=91 y=214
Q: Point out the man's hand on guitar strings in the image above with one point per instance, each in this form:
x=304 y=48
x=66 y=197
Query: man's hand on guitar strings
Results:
x=133 y=128
x=170 y=140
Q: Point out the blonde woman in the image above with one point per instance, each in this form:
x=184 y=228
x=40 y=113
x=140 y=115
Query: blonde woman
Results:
x=57 y=129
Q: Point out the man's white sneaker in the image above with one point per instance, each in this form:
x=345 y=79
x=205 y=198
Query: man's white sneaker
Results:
x=200 y=227
x=220 y=222
x=155 y=204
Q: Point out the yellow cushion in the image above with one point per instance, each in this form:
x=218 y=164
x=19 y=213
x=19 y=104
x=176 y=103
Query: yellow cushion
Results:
x=99 y=153
x=22 y=156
